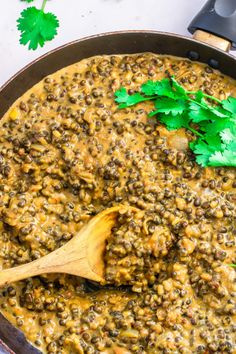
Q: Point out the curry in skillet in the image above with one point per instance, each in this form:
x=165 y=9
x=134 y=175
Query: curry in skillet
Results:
x=67 y=153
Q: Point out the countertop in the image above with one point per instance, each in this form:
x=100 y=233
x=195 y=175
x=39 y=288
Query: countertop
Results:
x=80 y=18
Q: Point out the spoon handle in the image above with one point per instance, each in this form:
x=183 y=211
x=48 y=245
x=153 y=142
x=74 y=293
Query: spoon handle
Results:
x=81 y=256
x=70 y=259
x=25 y=271
x=54 y=262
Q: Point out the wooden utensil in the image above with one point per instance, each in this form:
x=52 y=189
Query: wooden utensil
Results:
x=81 y=256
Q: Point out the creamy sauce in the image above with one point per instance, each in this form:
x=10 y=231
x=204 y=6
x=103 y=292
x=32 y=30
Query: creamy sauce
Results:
x=66 y=153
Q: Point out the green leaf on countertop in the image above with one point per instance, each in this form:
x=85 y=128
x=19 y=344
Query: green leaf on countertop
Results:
x=36 y=26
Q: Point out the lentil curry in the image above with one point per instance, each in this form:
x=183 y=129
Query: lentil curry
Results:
x=67 y=153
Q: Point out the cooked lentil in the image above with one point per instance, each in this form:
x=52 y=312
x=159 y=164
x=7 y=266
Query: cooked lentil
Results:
x=66 y=153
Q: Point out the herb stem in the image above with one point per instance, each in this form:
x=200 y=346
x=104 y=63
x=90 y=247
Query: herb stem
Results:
x=198 y=103
x=195 y=132
x=212 y=98
x=150 y=98
x=206 y=96
x=191 y=93
x=43 y=5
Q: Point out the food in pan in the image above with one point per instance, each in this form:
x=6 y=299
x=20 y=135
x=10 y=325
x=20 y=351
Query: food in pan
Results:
x=66 y=153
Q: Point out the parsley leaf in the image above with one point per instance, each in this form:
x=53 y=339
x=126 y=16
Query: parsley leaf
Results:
x=218 y=112
x=225 y=158
x=161 y=88
x=199 y=97
x=199 y=114
x=214 y=141
x=174 y=122
x=216 y=126
x=28 y=1
x=230 y=105
x=178 y=89
x=121 y=95
x=167 y=106
x=127 y=100
x=37 y=27
x=203 y=149
x=231 y=146
x=227 y=136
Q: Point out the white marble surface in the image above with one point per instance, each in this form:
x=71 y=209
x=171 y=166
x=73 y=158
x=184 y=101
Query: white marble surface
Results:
x=79 y=18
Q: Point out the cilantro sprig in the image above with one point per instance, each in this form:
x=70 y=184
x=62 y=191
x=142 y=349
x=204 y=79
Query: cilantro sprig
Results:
x=212 y=121
x=36 y=26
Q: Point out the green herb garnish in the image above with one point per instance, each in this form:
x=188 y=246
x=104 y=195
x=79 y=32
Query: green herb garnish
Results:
x=232 y=265
x=36 y=26
x=213 y=121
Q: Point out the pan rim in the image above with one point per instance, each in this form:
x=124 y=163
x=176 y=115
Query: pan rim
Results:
x=5 y=347
x=107 y=34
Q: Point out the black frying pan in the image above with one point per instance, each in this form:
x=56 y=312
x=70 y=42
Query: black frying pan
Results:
x=217 y=17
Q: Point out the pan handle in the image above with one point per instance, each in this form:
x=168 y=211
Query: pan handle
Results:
x=216 y=24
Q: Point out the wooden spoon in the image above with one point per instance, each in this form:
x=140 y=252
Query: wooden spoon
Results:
x=81 y=256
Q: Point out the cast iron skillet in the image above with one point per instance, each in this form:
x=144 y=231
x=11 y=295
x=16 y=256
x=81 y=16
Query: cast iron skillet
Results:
x=217 y=17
